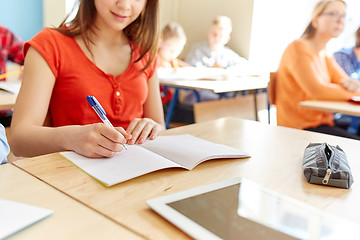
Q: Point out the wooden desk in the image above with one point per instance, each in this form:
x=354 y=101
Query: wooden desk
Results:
x=233 y=84
x=8 y=94
x=333 y=106
x=276 y=163
x=221 y=86
x=7 y=101
x=70 y=220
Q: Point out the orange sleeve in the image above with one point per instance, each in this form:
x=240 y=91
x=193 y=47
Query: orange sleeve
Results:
x=309 y=74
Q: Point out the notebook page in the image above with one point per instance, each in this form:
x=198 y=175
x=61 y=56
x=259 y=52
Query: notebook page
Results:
x=16 y=216
x=11 y=87
x=189 y=151
x=123 y=166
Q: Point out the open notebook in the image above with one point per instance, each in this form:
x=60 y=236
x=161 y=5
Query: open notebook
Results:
x=16 y=216
x=182 y=151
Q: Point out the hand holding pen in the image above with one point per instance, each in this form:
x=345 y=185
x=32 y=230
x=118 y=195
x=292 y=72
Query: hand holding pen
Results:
x=100 y=112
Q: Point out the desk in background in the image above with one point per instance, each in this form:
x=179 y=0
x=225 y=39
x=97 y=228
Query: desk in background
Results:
x=333 y=106
x=8 y=97
x=276 y=163
x=70 y=220
x=7 y=101
x=337 y=107
x=232 y=84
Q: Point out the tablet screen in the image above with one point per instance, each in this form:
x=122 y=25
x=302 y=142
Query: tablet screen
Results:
x=243 y=209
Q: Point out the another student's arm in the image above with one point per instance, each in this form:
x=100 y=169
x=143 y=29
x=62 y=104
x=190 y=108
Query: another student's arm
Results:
x=339 y=76
x=29 y=137
x=344 y=62
x=308 y=76
x=153 y=122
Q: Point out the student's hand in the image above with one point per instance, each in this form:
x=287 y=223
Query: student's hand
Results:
x=350 y=84
x=216 y=65
x=141 y=129
x=98 y=140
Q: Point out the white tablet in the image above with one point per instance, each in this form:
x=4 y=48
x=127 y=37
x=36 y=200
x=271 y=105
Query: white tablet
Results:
x=241 y=209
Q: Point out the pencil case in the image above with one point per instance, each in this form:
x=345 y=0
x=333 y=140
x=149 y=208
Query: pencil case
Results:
x=327 y=165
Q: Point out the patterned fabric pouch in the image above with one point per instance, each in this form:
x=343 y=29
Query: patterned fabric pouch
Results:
x=327 y=165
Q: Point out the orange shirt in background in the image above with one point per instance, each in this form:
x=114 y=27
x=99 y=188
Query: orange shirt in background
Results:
x=304 y=75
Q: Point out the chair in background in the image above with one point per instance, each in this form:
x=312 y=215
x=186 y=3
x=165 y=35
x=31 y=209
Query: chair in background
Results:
x=271 y=91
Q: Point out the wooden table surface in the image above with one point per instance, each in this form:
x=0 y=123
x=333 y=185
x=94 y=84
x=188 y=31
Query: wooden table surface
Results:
x=7 y=101
x=333 y=106
x=70 y=220
x=276 y=163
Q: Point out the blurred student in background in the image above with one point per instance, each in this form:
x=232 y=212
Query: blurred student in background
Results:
x=172 y=42
x=307 y=73
x=213 y=54
x=11 y=49
x=4 y=147
x=349 y=58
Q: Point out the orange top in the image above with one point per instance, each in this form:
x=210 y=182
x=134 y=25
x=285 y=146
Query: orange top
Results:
x=304 y=75
x=122 y=96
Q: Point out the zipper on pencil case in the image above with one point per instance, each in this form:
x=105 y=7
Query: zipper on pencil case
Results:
x=328 y=157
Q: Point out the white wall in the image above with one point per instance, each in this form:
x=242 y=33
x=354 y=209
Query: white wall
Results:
x=54 y=12
x=273 y=28
x=196 y=15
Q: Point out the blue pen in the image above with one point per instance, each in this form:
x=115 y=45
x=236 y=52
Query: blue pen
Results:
x=100 y=112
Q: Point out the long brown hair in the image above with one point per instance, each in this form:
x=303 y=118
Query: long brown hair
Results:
x=318 y=10
x=357 y=38
x=143 y=31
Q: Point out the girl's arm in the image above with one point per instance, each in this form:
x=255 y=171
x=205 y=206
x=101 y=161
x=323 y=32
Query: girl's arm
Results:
x=29 y=137
x=153 y=122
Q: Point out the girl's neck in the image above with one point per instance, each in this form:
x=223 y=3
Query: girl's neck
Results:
x=104 y=36
x=318 y=42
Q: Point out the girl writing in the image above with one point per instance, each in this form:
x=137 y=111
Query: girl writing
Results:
x=106 y=51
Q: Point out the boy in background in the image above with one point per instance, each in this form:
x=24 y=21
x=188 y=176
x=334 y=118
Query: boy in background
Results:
x=213 y=52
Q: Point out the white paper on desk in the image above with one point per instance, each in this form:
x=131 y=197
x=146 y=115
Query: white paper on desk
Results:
x=11 y=87
x=16 y=216
x=193 y=73
x=189 y=151
x=183 y=151
x=123 y=166
x=190 y=73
